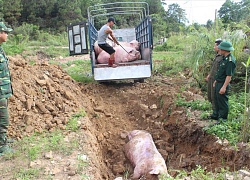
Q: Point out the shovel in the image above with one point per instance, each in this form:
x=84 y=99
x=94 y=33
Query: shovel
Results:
x=126 y=50
x=123 y=48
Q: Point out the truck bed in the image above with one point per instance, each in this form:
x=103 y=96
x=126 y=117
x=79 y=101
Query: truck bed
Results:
x=130 y=63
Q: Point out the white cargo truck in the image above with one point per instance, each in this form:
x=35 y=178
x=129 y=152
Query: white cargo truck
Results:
x=137 y=70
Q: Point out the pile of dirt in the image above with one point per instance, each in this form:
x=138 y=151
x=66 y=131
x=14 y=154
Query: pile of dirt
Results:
x=45 y=97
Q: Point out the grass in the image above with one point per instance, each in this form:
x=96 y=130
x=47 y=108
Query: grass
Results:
x=166 y=63
x=79 y=70
x=231 y=129
x=194 y=105
x=73 y=124
x=34 y=147
x=200 y=173
x=27 y=174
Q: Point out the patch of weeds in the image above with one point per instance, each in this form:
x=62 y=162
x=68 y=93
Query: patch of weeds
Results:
x=183 y=88
x=85 y=177
x=26 y=174
x=198 y=173
x=166 y=63
x=32 y=62
x=10 y=155
x=229 y=130
x=82 y=164
x=204 y=114
x=34 y=152
x=73 y=124
x=194 y=105
x=161 y=102
x=169 y=111
x=35 y=145
x=74 y=143
x=55 y=142
x=79 y=70
x=236 y=103
x=126 y=174
x=31 y=146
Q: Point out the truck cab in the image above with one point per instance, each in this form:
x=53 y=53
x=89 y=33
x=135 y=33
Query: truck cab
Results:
x=137 y=70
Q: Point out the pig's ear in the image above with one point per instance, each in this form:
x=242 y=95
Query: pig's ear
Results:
x=154 y=171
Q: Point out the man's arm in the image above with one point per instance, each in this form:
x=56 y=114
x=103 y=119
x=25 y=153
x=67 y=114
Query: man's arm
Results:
x=110 y=32
x=223 y=88
x=207 y=78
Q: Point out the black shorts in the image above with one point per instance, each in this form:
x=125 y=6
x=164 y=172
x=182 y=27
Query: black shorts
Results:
x=106 y=47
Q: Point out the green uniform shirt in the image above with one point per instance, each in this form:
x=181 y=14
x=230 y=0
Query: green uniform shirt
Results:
x=226 y=68
x=215 y=65
x=5 y=80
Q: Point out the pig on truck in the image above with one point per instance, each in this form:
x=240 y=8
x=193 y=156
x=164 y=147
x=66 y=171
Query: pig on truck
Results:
x=138 y=69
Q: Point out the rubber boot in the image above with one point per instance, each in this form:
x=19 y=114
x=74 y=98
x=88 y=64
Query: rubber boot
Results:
x=111 y=62
x=4 y=148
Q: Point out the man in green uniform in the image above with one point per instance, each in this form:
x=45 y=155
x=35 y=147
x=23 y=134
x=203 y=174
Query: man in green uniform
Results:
x=223 y=78
x=5 y=91
x=210 y=78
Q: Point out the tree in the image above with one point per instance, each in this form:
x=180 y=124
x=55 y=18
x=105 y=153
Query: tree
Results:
x=175 y=18
x=231 y=11
x=245 y=12
x=68 y=12
x=38 y=12
x=155 y=6
x=1 y=10
x=12 y=11
x=209 y=24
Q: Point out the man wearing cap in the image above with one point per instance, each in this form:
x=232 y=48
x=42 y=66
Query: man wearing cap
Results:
x=5 y=91
x=210 y=78
x=223 y=78
x=103 y=34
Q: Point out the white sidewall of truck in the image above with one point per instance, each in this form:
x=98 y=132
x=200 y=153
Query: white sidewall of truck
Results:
x=122 y=72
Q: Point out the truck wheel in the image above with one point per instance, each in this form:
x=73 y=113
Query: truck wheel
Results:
x=139 y=81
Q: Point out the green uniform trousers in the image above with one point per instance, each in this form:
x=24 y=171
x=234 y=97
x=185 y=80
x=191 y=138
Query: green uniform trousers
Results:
x=210 y=95
x=221 y=101
x=4 y=120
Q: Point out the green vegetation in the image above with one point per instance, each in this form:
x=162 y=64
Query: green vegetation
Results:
x=194 y=61
x=166 y=63
x=79 y=70
x=246 y=119
x=26 y=174
x=198 y=173
x=73 y=124
x=196 y=104
x=34 y=147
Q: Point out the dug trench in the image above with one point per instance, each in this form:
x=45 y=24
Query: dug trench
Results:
x=45 y=97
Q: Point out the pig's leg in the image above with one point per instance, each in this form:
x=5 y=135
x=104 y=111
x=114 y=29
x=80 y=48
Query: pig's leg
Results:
x=137 y=172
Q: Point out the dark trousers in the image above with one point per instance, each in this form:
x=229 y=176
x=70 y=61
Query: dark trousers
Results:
x=221 y=101
x=211 y=94
x=4 y=120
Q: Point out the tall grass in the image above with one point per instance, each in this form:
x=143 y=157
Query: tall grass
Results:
x=246 y=124
x=29 y=38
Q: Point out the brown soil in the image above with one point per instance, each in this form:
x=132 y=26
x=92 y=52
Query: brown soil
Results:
x=45 y=97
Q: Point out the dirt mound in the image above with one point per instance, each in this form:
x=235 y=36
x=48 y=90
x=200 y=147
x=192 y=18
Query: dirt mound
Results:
x=45 y=97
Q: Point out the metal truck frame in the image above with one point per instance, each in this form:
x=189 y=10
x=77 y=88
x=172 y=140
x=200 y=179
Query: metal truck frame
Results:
x=137 y=70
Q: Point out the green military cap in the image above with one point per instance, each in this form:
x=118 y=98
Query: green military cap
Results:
x=4 y=28
x=226 y=45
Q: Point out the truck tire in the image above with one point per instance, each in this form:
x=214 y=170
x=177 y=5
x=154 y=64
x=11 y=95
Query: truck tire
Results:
x=139 y=81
